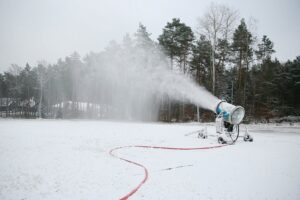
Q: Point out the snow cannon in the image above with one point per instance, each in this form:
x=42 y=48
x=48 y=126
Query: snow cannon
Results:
x=230 y=113
x=228 y=119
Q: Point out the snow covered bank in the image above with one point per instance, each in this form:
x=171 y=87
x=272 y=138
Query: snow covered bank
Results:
x=69 y=160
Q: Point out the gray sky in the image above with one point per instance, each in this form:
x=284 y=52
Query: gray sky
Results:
x=34 y=30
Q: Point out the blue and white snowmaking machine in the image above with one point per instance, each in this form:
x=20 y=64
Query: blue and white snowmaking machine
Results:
x=228 y=119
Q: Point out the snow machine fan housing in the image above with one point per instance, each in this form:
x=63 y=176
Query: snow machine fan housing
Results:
x=230 y=113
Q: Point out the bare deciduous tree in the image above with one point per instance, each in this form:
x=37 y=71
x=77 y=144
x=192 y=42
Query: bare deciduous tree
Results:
x=217 y=23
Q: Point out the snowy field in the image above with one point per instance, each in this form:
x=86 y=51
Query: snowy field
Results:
x=48 y=159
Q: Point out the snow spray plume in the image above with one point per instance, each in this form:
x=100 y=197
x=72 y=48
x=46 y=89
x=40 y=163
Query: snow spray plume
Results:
x=134 y=80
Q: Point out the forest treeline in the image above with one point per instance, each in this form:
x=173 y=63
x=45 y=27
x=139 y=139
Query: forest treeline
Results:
x=222 y=54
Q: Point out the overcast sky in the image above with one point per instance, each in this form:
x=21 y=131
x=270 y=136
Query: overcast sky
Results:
x=34 y=30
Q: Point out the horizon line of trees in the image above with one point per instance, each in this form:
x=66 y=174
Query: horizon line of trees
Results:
x=224 y=56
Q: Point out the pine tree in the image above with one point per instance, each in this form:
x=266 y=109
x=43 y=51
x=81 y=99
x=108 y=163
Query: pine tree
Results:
x=242 y=41
x=177 y=39
x=200 y=64
x=143 y=37
x=265 y=49
x=200 y=61
x=289 y=84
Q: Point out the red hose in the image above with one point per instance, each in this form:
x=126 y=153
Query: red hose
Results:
x=144 y=168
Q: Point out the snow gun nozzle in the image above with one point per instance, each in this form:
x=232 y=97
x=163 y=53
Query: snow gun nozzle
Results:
x=230 y=113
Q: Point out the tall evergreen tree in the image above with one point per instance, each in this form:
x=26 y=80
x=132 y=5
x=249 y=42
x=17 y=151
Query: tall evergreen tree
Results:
x=143 y=37
x=200 y=61
x=242 y=41
x=265 y=49
x=176 y=40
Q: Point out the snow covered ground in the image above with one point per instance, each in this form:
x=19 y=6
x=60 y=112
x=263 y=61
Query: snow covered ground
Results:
x=50 y=159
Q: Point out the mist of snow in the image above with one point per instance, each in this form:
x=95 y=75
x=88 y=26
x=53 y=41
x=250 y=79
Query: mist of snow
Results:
x=136 y=80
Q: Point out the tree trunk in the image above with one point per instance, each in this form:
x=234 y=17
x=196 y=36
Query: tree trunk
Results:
x=198 y=114
x=41 y=97
x=213 y=67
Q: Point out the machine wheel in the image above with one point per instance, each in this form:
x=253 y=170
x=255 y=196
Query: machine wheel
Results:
x=202 y=135
x=234 y=135
x=221 y=140
x=248 y=138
